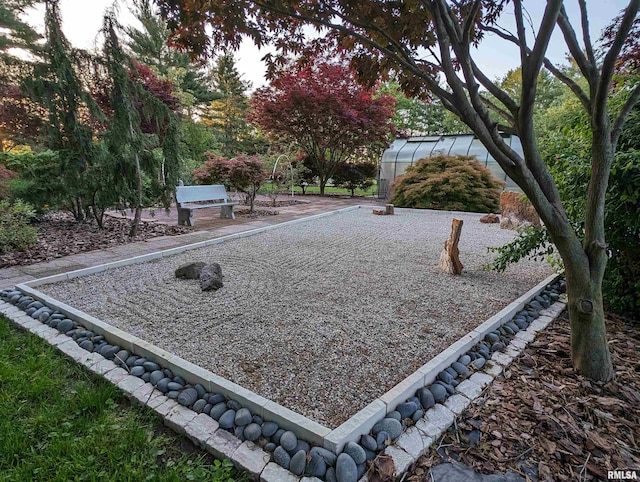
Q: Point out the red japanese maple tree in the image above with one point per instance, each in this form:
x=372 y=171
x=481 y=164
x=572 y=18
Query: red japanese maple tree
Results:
x=322 y=109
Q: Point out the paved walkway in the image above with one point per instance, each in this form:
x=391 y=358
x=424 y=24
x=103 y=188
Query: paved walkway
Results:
x=209 y=225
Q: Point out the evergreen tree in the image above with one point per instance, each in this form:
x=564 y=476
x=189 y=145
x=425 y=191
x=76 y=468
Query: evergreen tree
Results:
x=57 y=87
x=226 y=115
x=14 y=33
x=141 y=120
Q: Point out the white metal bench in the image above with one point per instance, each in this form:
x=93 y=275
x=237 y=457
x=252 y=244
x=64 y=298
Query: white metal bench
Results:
x=217 y=194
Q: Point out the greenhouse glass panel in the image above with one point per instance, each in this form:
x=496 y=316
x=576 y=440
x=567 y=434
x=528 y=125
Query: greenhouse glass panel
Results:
x=461 y=145
x=405 y=152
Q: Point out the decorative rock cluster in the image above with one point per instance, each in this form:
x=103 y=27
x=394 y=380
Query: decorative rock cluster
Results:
x=210 y=275
x=287 y=451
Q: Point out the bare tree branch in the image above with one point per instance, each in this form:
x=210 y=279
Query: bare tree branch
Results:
x=588 y=69
x=586 y=35
x=624 y=113
x=569 y=82
x=507 y=116
x=496 y=91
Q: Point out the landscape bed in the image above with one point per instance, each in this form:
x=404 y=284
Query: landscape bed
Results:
x=321 y=316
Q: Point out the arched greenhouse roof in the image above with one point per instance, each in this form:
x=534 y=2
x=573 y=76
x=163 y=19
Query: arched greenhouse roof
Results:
x=405 y=152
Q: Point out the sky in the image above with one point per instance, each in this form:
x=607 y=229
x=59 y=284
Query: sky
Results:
x=82 y=20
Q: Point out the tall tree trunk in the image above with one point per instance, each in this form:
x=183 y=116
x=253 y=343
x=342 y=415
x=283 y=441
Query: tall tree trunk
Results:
x=323 y=183
x=138 y=212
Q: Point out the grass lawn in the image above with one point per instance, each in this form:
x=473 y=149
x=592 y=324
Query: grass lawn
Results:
x=60 y=422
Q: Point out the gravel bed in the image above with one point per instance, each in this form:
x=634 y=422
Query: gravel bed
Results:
x=323 y=316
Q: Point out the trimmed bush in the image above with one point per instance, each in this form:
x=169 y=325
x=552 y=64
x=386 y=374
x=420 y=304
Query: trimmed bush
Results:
x=15 y=231
x=452 y=183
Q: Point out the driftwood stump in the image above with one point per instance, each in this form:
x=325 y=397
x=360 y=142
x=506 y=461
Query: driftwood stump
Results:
x=450 y=256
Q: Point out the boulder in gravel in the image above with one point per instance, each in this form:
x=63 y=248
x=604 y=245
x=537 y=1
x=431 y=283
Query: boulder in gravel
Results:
x=211 y=277
x=490 y=218
x=190 y=270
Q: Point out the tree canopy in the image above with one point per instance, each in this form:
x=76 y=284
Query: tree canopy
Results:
x=424 y=42
x=321 y=108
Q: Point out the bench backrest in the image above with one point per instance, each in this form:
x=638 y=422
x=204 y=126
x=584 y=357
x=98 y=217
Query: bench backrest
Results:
x=189 y=194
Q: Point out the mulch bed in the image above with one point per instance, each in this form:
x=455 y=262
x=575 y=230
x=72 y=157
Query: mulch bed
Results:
x=59 y=235
x=545 y=422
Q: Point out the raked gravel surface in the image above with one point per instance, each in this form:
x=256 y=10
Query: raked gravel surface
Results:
x=321 y=317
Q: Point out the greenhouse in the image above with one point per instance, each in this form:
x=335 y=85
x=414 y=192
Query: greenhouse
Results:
x=405 y=152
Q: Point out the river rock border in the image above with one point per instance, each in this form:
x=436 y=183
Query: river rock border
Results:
x=267 y=440
x=227 y=429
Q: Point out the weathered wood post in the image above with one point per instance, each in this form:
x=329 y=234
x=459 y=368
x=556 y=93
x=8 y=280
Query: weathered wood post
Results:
x=450 y=256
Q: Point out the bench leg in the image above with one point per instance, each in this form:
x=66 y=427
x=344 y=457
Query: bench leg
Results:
x=227 y=212
x=185 y=216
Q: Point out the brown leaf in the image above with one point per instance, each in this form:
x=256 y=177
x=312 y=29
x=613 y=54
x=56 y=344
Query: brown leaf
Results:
x=383 y=469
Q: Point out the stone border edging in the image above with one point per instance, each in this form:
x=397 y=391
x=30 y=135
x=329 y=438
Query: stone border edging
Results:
x=250 y=456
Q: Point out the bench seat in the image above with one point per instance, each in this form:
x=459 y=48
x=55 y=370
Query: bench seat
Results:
x=215 y=193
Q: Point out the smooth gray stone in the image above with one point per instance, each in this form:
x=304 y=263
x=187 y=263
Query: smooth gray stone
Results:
x=426 y=398
x=187 y=397
x=370 y=454
x=497 y=347
x=510 y=324
x=207 y=409
x=298 y=462
x=121 y=357
x=382 y=439
x=140 y=362
x=216 y=398
x=239 y=433
x=243 y=417
x=417 y=415
x=316 y=467
x=301 y=445
x=479 y=363
x=173 y=385
x=270 y=447
x=217 y=410
x=168 y=373
x=87 y=345
x=257 y=419
x=173 y=394
x=252 y=431
x=269 y=428
x=328 y=456
x=131 y=360
x=200 y=389
x=109 y=351
x=65 y=325
x=346 y=469
x=438 y=391
x=199 y=405
x=456 y=472
x=137 y=371
x=361 y=470
x=406 y=409
x=330 y=476
x=227 y=419
x=146 y=376
x=163 y=385
x=491 y=337
x=464 y=359
x=395 y=415
x=281 y=457
x=156 y=377
x=446 y=376
x=276 y=436
x=355 y=452
x=36 y=304
x=234 y=405
x=180 y=380
x=389 y=425
x=30 y=311
x=39 y=311
x=151 y=366
x=461 y=369
x=368 y=442
x=288 y=440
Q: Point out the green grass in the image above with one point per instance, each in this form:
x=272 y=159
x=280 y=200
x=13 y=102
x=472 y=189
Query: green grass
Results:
x=60 y=422
x=284 y=190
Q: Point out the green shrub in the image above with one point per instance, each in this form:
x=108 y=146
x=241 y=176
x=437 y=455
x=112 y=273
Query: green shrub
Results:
x=15 y=231
x=454 y=183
